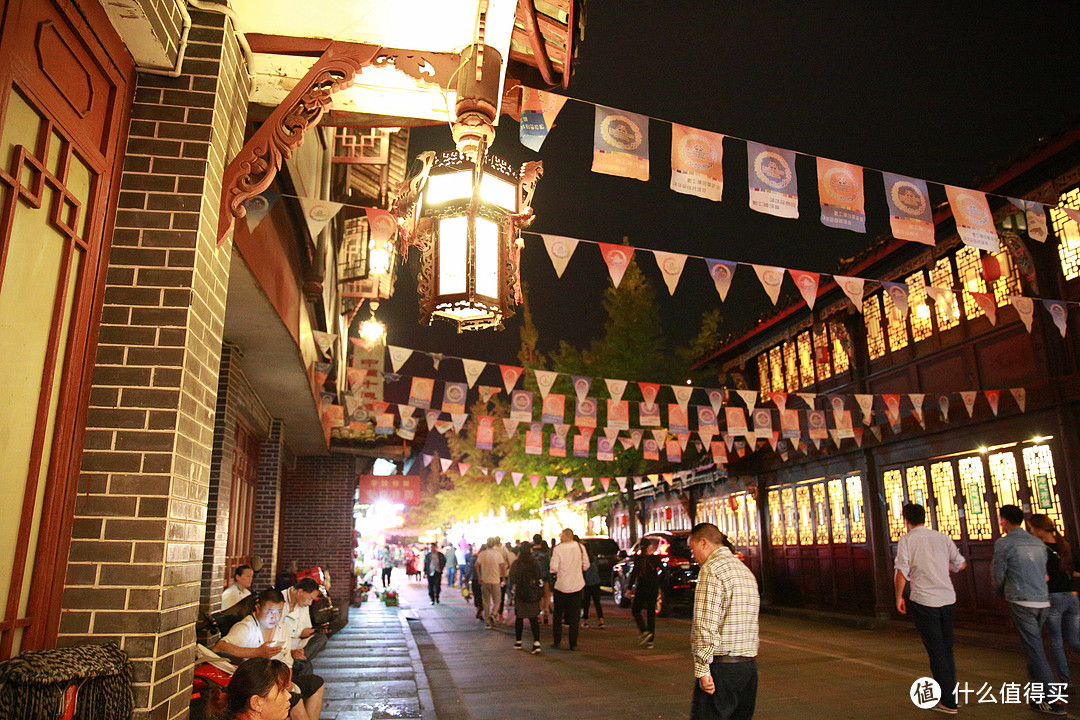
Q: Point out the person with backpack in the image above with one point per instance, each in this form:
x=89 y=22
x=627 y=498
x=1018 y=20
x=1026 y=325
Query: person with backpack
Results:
x=592 y=591
x=525 y=579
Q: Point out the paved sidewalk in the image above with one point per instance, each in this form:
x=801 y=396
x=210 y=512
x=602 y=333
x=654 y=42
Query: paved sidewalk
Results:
x=372 y=668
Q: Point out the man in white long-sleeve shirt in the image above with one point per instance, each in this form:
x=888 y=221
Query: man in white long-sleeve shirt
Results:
x=568 y=564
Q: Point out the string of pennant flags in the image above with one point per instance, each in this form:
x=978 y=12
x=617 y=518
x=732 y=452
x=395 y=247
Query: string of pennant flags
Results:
x=621 y=148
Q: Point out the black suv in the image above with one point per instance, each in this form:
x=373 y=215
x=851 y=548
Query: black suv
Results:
x=678 y=571
x=606 y=553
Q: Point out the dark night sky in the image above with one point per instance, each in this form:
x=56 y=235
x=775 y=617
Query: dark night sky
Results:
x=942 y=91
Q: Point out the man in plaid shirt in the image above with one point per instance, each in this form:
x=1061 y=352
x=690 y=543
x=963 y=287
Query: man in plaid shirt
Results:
x=724 y=634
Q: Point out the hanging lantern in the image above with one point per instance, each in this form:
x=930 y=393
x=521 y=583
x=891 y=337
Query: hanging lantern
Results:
x=465 y=209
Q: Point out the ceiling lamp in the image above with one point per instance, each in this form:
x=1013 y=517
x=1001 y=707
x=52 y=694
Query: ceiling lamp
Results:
x=465 y=209
x=371 y=329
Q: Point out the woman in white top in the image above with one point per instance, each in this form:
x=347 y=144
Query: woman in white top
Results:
x=240 y=588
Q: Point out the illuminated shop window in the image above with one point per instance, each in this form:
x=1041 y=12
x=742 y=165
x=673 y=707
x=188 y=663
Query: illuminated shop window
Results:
x=776 y=368
x=895 y=325
x=980 y=526
x=915 y=476
x=856 y=516
x=839 y=341
x=969 y=269
x=791 y=366
x=752 y=521
x=837 y=505
x=875 y=337
x=1068 y=232
x=806 y=522
x=740 y=517
x=776 y=513
x=806 y=360
x=893 y=480
x=1004 y=478
x=1042 y=481
x=821 y=340
x=821 y=514
x=763 y=373
x=948 y=314
x=946 y=512
x=918 y=307
x=791 y=522
x=1009 y=282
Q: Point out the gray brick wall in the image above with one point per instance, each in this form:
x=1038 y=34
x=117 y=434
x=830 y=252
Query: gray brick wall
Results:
x=135 y=566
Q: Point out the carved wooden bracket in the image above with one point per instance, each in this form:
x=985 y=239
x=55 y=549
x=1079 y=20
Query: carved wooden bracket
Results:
x=255 y=166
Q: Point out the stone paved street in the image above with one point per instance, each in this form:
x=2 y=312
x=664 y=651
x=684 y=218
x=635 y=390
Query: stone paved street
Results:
x=808 y=669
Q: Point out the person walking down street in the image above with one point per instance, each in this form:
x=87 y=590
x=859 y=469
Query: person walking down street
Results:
x=645 y=579
x=924 y=558
x=386 y=562
x=472 y=577
x=1063 y=620
x=543 y=559
x=569 y=561
x=464 y=556
x=592 y=591
x=451 y=564
x=1018 y=570
x=724 y=630
x=524 y=578
x=434 y=562
x=508 y=558
x=491 y=569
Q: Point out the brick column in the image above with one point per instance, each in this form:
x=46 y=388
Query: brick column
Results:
x=137 y=547
x=268 y=504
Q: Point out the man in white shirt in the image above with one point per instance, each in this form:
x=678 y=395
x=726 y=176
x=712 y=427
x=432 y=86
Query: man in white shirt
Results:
x=262 y=634
x=568 y=564
x=491 y=569
x=924 y=557
x=240 y=588
x=306 y=642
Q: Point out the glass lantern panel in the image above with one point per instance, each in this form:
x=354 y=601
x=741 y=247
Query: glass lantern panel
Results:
x=487 y=258
x=453 y=246
x=451 y=186
x=498 y=191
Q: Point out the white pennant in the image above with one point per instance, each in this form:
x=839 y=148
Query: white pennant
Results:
x=318 y=213
x=569 y=483
x=943 y=407
x=544 y=380
x=616 y=388
x=551 y=480
x=446 y=463
x=944 y=299
x=621 y=481
x=510 y=427
x=611 y=433
x=516 y=477
x=916 y=407
x=969 y=401
x=749 y=397
x=1020 y=395
x=853 y=288
x=772 y=278
x=682 y=394
x=426 y=458
x=459 y=420
x=473 y=368
x=671 y=265
x=1025 y=307
x=432 y=417
x=716 y=400
x=808 y=398
x=560 y=250
x=398 y=356
x=587 y=483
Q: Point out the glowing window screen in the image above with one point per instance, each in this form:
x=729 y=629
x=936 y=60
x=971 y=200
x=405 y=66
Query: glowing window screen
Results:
x=980 y=526
x=969 y=268
x=791 y=523
x=1042 y=481
x=856 y=517
x=821 y=340
x=948 y=314
x=893 y=481
x=918 y=307
x=839 y=340
x=806 y=523
x=838 y=514
x=791 y=367
x=1004 y=478
x=821 y=514
x=1068 y=232
x=946 y=512
x=897 y=327
x=875 y=338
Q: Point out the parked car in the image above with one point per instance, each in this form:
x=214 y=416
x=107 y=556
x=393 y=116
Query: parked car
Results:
x=606 y=553
x=678 y=571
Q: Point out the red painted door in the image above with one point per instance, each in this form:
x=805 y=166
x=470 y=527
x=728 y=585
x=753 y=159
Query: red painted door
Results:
x=64 y=103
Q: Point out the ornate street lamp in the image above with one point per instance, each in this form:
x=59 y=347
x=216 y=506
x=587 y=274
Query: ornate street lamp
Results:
x=464 y=209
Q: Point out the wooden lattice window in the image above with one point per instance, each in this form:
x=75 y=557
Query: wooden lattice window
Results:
x=980 y=526
x=1042 y=481
x=821 y=514
x=918 y=308
x=896 y=326
x=969 y=268
x=838 y=508
x=893 y=480
x=245 y=472
x=945 y=510
x=1004 y=478
x=791 y=366
x=856 y=515
x=948 y=314
x=776 y=514
x=791 y=522
x=875 y=337
x=1068 y=232
x=776 y=368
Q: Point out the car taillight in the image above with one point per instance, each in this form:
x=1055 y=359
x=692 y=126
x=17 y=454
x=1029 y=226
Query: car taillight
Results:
x=684 y=565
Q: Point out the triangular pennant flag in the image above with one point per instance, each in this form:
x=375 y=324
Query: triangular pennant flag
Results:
x=587 y=483
x=318 y=213
x=510 y=375
x=581 y=386
x=974 y=221
x=560 y=250
x=487 y=392
x=671 y=266
x=426 y=458
x=659 y=435
x=516 y=477
x=446 y=463
x=436 y=358
x=683 y=394
x=721 y=272
x=1036 y=221
x=853 y=288
x=442 y=426
x=626 y=442
x=779 y=399
x=648 y=391
x=432 y=417
x=459 y=420
x=729 y=440
x=1060 y=314
x=968 y=397
x=858 y=433
x=539 y=109
x=561 y=429
x=683 y=439
x=835 y=435
x=772 y=279
x=1020 y=395
x=808 y=398
x=484 y=470
x=916 y=407
x=611 y=433
x=325 y=342
x=987 y=304
x=635 y=438
x=892 y=410
x=463 y=468
x=510 y=427
x=616 y=388
x=258 y=207
x=944 y=299
x=876 y=430
x=1025 y=308
x=499 y=475
x=620 y=481
x=749 y=398
x=544 y=380
x=605 y=483
x=866 y=405
x=898 y=293
x=617 y=258
x=993 y=397
x=405 y=411
x=807 y=282
x=473 y=368
x=534 y=479
x=943 y=407
x=654 y=479
x=569 y=483
x=716 y=399
x=551 y=480
x=706 y=436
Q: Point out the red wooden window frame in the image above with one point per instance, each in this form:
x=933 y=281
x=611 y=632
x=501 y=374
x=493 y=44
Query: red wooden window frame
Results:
x=245 y=481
